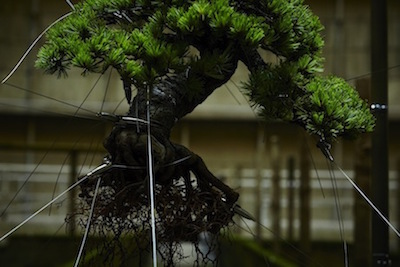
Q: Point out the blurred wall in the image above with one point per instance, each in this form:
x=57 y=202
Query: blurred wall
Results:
x=41 y=113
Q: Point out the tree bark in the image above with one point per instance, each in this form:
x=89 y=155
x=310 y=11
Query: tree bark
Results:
x=167 y=102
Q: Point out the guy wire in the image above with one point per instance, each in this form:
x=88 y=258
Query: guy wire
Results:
x=151 y=180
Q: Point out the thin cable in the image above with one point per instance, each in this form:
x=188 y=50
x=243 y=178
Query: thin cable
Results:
x=267 y=263
x=32 y=45
x=51 y=98
x=137 y=113
x=75 y=113
x=106 y=91
x=58 y=178
x=38 y=111
x=78 y=258
x=252 y=107
x=25 y=182
x=299 y=251
x=93 y=140
x=368 y=200
x=314 y=165
x=118 y=105
x=370 y=73
x=339 y=213
x=70 y=4
x=42 y=208
x=52 y=145
x=45 y=245
x=151 y=181
x=67 y=157
x=88 y=94
x=232 y=94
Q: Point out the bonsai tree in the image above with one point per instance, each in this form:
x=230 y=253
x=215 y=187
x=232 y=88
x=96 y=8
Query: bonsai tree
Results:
x=171 y=55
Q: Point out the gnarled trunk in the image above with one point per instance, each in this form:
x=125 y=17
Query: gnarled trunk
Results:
x=167 y=102
x=185 y=207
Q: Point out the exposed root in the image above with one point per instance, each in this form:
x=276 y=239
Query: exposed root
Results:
x=184 y=213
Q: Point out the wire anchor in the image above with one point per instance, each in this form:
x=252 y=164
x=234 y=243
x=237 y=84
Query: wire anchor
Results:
x=325 y=148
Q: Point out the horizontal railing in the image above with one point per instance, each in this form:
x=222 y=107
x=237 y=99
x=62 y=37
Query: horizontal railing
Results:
x=40 y=183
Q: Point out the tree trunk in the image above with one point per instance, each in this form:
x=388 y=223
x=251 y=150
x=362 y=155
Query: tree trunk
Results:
x=165 y=102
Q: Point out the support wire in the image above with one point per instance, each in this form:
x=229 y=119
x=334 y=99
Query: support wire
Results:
x=151 y=181
x=368 y=201
x=100 y=169
x=33 y=45
x=41 y=209
x=78 y=258
x=70 y=4
x=339 y=214
x=325 y=149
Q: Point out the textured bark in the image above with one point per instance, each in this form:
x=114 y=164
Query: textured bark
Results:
x=167 y=102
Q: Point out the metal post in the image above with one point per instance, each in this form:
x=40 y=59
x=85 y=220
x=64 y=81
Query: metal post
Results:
x=362 y=211
x=379 y=85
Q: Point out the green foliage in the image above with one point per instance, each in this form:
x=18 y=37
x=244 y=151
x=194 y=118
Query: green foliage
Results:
x=146 y=41
x=325 y=106
x=157 y=34
x=331 y=108
x=270 y=89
